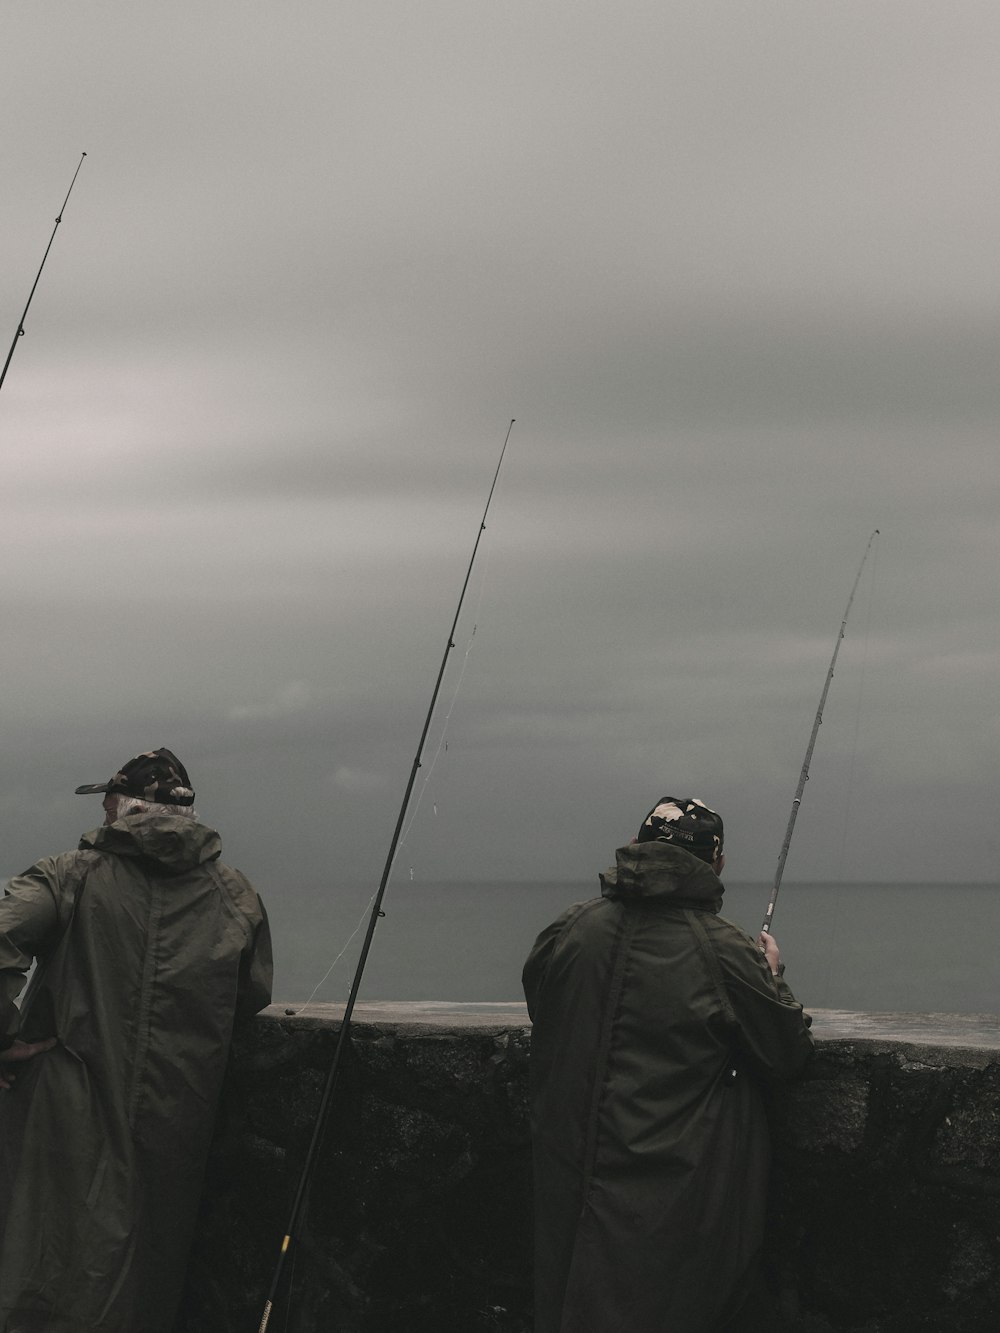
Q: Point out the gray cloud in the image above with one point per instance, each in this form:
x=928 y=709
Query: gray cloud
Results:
x=731 y=269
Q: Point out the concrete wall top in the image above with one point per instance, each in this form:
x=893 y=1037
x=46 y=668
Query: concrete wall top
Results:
x=979 y=1032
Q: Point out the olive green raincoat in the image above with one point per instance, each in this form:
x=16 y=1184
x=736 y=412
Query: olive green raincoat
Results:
x=653 y=1019
x=147 y=948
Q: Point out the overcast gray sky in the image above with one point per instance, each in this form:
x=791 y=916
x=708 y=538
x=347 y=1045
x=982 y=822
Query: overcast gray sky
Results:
x=732 y=267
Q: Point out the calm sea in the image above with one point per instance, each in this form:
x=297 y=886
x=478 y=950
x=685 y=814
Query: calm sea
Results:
x=912 y=947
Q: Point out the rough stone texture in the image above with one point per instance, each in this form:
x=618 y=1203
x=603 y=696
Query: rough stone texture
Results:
x=884 y=1209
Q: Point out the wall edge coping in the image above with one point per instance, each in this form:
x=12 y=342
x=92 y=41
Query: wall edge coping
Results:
x=940 y=1031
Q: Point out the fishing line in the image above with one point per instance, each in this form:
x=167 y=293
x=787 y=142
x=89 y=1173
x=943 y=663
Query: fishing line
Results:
x=430 y=772
x=20 y=328
x=368 y=906
x=817 y=722
x=323 y=1113
x=857 y=716
x=833 y=934
x=454 y=699
x=361 y=921
x=440 y=745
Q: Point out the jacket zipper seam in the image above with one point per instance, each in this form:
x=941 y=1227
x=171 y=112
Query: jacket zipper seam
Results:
x=145 y=1000
x=624 y=938
x=715 y=972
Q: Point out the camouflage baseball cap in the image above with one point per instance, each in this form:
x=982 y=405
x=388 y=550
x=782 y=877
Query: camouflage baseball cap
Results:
x=154 y=775
x=686 y=821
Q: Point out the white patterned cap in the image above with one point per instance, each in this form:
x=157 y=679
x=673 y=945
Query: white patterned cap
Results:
x=686 y=822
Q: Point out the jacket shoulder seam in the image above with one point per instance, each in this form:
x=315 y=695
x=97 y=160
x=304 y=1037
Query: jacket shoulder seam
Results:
x=712 y=962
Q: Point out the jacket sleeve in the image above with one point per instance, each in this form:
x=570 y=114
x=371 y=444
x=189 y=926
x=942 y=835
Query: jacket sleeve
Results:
x=771 y=1030
x=537 y=964
x=256 y=970
x=533 y=973
x=30 y=919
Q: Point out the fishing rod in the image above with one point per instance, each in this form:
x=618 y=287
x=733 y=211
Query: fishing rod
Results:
x=325 y=1102
x=24 y=316
x=804 y=775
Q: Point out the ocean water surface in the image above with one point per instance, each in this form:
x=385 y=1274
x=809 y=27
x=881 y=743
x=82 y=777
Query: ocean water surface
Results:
x=912 y=947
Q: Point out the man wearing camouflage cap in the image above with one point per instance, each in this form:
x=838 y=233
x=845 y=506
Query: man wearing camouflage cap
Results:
x=148 y=948
x=653 y=1021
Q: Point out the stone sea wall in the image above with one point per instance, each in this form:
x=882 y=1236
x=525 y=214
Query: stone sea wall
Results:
x=884 y=1208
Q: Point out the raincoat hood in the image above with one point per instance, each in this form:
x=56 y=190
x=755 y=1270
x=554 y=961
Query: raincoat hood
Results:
x=662 y=871
x=173 y=843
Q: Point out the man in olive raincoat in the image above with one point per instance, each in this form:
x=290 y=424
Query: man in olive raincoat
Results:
x=147 y=949
x=653 y=1020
